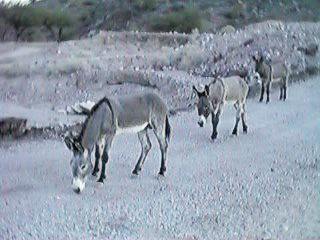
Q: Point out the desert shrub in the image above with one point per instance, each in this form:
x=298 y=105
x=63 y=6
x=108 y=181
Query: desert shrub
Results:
x=190 y=56
x=237 y=11
x=129 y=76
x=146 y=5
x=23 y=17
x=161 y=60
x=119 y=19
x=181 y=21
x=3 y=28
x=28 y=17
x=56 y=21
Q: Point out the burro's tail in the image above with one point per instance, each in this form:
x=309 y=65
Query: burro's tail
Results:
x=168 y=130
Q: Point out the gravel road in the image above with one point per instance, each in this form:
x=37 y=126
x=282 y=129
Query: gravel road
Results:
x=265 y=184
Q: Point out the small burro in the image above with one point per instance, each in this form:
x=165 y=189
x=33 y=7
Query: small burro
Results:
x=109 y=117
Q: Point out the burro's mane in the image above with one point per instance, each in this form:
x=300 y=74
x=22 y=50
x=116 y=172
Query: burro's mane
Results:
x=92 y=111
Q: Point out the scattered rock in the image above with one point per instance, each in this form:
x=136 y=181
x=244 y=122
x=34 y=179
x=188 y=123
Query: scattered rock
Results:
x=12 y=127
x=248 y=42
x=311 y=49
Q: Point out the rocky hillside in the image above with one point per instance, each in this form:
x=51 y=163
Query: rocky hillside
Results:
x=71 y=19
x=112 y=63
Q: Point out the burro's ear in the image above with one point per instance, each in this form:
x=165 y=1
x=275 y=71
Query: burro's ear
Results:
x=69 y=142
x=254 y=58
x=194 y=92
x=78 y=146
x=206 y=90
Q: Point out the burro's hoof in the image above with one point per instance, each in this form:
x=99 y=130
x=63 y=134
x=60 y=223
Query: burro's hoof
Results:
x=214 y=136
x=95 y=173
x=161 y=176
x=134 y=175
x=101 y=181
x=100 y=184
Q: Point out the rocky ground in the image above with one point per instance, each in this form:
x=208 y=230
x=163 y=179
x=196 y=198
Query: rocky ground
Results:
x=261 y=185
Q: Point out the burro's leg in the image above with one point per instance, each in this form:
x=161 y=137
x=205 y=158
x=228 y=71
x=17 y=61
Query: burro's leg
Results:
x=158 y=126
x=268 y=91
x=145 y=148
x=285 y=88
x=281 y=92
x=262 y=90
x=215 y=121
x=214 y=128
x=105 y=156
x=98 y=155
x=244 y=118
x=238 y=113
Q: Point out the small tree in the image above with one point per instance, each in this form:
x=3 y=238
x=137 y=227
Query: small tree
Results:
x=23 y=17
x=56 y=21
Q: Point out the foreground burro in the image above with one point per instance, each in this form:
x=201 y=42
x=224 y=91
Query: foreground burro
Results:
x=109 y=117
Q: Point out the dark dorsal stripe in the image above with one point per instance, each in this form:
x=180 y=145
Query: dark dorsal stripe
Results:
x=109 y=105
x=93 y=110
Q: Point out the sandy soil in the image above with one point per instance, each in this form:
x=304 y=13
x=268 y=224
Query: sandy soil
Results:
x=261 y=185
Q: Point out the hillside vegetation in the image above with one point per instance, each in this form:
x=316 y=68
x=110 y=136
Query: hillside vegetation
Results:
x=60 y=20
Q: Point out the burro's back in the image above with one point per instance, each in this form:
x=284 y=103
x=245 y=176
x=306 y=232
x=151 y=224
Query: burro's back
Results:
x=236 y=88
x=140 y=107
x=280 y=71
x=156 y=102
x=232 y=88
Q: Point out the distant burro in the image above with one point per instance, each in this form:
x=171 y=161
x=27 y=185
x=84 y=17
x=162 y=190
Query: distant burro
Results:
x=215 y=95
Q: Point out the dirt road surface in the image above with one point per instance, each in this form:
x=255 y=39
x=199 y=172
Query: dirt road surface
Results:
x=260 y=185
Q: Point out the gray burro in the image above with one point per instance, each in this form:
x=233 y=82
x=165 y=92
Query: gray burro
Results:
x=220 y=91
x=109 y=117
x=271 y=73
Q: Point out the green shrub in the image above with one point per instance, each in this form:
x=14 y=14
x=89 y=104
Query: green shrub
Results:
x=26 y=17
x=182 y=21
x=146 y=5
x=23 y=17
x=58 y=19
x=238 y=11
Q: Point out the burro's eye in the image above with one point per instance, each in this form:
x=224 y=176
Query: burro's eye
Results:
x=83 y=166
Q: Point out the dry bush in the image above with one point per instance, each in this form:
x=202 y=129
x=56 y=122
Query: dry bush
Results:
x=66 y=66
x=129 y=76
x=190 y=56
x=163 y=59
x=181 y=21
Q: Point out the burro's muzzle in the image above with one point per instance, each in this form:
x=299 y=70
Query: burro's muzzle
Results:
x=78 y=185
x=202 y=121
